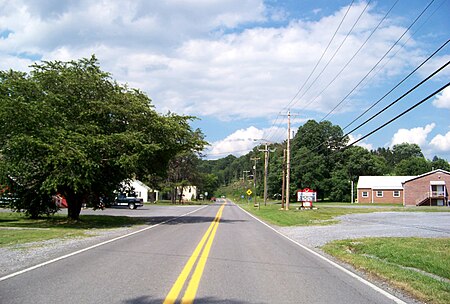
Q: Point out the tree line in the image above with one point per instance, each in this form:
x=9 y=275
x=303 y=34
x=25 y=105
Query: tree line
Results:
x=68 y=128
x=320 y=160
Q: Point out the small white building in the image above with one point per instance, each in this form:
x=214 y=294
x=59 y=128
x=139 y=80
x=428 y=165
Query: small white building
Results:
x=143 y=191
x=189 y=193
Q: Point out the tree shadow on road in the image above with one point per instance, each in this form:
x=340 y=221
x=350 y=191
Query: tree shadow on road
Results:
x=209 y=300
x=170 y=220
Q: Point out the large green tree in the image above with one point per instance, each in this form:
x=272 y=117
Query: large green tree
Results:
x=68 y=128
x=405 y=151
x=412 y=166
x=440 y=163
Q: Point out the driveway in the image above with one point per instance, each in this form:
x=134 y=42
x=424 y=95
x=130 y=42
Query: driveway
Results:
x=378 y=224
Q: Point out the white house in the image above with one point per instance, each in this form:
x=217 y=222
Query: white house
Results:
x=189 y=193
x=143 y=191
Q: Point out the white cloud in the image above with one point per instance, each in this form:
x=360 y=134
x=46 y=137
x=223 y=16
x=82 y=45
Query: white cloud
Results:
x=134 y=23
x=353 y=138
x=443 y=99
x=441 y=142
x=242 y=141
x=192 y=57
x=413 y=136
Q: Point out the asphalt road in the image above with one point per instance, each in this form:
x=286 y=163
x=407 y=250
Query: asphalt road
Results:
x=213 y=255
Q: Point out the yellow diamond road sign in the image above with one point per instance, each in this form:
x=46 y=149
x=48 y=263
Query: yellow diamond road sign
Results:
x=249 y=192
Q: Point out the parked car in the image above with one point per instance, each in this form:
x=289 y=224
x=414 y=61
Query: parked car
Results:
x=131 y=202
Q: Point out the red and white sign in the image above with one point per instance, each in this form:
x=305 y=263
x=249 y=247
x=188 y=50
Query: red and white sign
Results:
x=306 y=195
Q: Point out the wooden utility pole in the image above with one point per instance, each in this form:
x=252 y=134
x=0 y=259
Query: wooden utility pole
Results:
x=266 y=166
x=254 y=175
x=288 y=159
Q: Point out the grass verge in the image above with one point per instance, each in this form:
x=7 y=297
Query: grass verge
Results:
x=419 y=266
x=16 y=229
x=324 y=214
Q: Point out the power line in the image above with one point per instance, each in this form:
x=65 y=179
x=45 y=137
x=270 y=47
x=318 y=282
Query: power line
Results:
x=381 y=59
x=400 y=115
x=395 y=54
x=326 y=49
x=395 y=101
x=385 y=16
x=353 y=57
x=336 y=51
x=396 y=86
x=343 y=41
x=317 y=64
x=400 y=98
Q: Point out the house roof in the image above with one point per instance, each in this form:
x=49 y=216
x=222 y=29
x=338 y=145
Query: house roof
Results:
x=138 y=182
x=382 y=182
x=425 y=174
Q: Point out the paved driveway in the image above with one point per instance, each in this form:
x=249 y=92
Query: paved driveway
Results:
x=379 y=224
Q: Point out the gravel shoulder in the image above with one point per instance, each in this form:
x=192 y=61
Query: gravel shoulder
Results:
x=377 y=224
x=22 y=256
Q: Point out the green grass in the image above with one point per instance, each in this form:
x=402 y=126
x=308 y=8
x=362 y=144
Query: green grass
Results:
x=16 y=229
x=419 y=266
x=323 y=215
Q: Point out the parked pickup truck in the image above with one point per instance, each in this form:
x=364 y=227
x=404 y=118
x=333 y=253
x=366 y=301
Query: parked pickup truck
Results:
x=130 y=201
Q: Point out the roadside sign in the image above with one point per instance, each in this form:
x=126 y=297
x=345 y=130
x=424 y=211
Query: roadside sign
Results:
x=306 y=195
x=249 y=192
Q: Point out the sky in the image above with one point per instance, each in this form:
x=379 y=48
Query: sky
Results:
x=239 y=66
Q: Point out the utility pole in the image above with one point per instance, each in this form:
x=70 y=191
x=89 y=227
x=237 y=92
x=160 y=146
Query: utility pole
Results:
x=266 y=166
x=288 y=159
x=244 y=177
x=351 y=192
x=283 y=186
x=244 y=181
x=254 y=176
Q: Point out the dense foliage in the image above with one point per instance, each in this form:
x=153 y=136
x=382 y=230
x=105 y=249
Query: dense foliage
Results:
x=319 y=160
x=68 y=128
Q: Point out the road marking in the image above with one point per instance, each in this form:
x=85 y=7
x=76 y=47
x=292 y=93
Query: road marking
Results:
x=191 y=290
x=354 y=275
x=95 y=246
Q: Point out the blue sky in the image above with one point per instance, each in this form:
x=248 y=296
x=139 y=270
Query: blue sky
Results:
x=237 y=65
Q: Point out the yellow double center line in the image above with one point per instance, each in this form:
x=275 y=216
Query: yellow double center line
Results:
x=191 y=290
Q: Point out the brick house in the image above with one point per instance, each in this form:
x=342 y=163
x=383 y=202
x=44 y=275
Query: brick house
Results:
x=429 y=189
x=381 y=189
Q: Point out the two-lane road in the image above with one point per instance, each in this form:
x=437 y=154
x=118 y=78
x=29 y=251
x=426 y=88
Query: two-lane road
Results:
x=218 y=254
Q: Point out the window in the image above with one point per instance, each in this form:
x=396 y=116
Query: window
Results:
x=365 y=194
x=396 y=193
x=379 y=193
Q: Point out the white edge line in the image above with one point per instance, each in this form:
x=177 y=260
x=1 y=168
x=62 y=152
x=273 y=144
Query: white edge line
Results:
x=95 y=246
x=352 y=274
